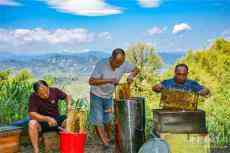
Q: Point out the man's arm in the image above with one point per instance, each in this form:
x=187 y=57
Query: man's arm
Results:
x=96 y=77
x=201 y=90
x=132 y=70
x=68 y=100
x=96 y=82
x=43 y=118
x=133 y=74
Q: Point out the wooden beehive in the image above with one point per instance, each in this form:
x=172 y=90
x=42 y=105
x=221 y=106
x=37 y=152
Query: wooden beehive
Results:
x=76 y=121
x=9 y=139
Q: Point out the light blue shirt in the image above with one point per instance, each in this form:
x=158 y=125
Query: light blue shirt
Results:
x=103 y=70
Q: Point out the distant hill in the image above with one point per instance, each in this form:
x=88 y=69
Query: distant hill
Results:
x=64 y=64
x=53 y=63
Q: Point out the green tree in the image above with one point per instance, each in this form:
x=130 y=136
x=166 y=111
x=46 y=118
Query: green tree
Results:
x=14 y=95
x=4 y=75
x=146 y=59
x=23 y=75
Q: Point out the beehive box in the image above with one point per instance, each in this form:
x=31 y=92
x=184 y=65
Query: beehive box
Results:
x=9 y=139
x=187 y=143
x=179 y=121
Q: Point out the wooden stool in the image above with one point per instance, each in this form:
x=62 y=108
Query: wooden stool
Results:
x=51 y=141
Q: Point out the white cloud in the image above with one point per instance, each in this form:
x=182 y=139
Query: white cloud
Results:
x=84 y=7
x=24 y=36
x=9 y=3
x=35 y=39
x=155 y=30
x=149 y=3
x=178 y=28
x=105 y=35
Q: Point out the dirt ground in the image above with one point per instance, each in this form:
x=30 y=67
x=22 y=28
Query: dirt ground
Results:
x=92 y=146
x=97 y=148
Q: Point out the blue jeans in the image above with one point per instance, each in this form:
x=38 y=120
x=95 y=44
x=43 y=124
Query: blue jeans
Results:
x=98 y=106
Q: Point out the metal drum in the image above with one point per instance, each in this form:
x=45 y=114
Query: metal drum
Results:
x=129 y=124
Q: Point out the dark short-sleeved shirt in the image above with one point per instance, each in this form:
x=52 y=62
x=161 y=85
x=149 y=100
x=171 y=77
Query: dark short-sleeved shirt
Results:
x=188 y=85
x=47 y=107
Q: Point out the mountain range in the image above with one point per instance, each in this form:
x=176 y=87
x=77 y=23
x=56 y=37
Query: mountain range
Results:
x=64 y=64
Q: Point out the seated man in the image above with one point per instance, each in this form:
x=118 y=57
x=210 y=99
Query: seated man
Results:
x=181 y=82
x=43 y=110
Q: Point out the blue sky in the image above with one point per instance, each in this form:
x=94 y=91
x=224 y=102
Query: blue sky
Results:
x=38 y=26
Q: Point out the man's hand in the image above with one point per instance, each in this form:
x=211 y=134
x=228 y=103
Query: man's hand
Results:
x=51 y=121
x=205 y=92
x=129 y=80
x=42 y=118
x=157 y=88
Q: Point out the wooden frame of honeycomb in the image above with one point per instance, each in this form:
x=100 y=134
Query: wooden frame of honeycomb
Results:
x=76 y=121
x=172 y=99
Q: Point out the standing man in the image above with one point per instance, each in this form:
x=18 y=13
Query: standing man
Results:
x=180 y=81
x=43 y=110
x=105 y=76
